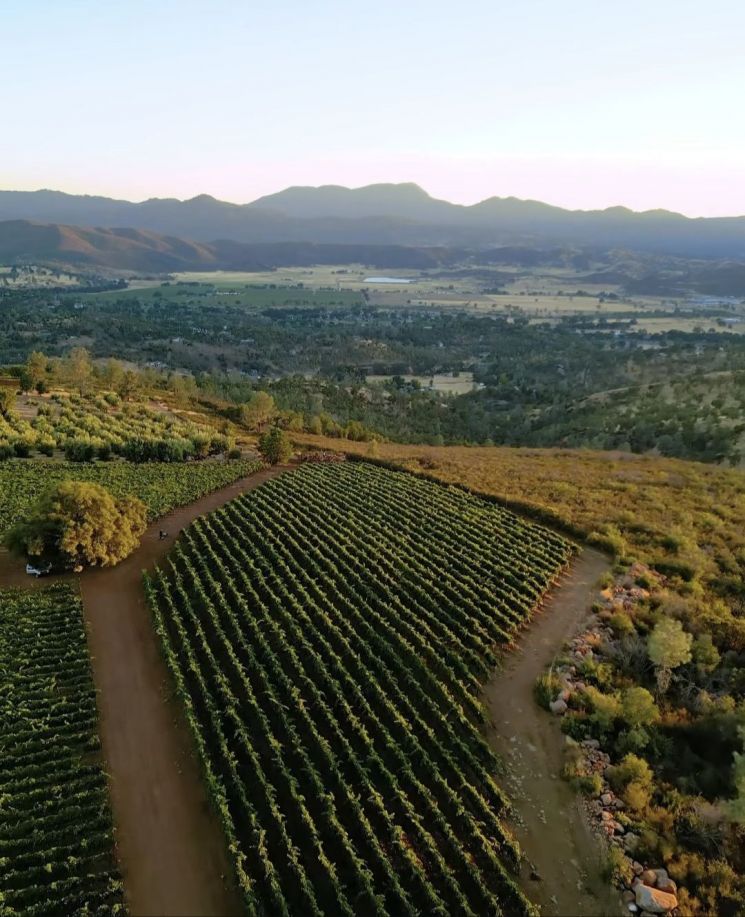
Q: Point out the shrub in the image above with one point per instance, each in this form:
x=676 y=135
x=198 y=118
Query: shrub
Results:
x=622 y=624
x=545 y=689
x=606 y=708
x=638 y=706
x=79 y=450
x=275 y=447
x=630 y=769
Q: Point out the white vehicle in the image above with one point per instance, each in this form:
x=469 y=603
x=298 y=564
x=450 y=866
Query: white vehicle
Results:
x=38 y=569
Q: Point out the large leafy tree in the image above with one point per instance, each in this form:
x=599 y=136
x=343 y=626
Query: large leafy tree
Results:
x=78 y=523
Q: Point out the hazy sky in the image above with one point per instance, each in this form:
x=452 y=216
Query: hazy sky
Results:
x=583 y=103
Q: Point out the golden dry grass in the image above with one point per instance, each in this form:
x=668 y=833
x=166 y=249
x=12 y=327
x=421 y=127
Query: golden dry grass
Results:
x=654 y=509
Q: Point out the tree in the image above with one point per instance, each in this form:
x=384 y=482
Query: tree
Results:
x=128 y=385
x=78 y=523
x=7 y=402
x=36 y=369
x=275 y=447
x=257 y=411
x=79 y=368
x=668 y=646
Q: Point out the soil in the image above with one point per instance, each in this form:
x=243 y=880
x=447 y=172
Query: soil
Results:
x=563 y=855
x=170 y=846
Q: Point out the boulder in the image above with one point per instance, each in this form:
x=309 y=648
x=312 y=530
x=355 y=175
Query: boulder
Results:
x=653 y=900
x=607 y=799
x=559 y=707
x=649 y=877
x=666 y=884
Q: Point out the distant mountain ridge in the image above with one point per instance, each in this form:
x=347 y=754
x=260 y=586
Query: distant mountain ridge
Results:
x=387 y=214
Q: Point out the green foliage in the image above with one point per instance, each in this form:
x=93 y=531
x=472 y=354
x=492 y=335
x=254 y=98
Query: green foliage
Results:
x=85 y=427
x=329 y=628
x=638 y=707
x=275 y=446
x=622 y=624
x=546 y=687
x=704 y=653
x=633 y=780
x=56 y=835
x=606 y=708
x=161 y=486
x=669 y=646
x=258 y=411
x=7 y=402
x=77 y=523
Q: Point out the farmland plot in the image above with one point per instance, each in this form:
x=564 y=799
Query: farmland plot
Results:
x=328 y=635
x=56 y=839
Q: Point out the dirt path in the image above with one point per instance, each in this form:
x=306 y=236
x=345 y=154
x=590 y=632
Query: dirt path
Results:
x=549 y=825
x=171 y=849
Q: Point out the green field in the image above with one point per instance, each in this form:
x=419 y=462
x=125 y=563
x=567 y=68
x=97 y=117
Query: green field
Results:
x=56 y=839
x=161 y=486
x=328 y=634
x=215 y=289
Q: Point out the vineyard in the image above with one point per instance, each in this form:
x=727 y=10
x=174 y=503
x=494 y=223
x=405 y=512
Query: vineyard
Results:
x=328 y=635
x=56 y=841
x=103 y=426
x=161 y=486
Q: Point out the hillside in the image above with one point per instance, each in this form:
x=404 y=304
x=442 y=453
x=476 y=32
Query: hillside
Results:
x=402 y=214
x=25 y=241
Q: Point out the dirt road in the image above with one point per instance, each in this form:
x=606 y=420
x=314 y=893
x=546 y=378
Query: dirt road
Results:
x=170 y=846
x=550 y=827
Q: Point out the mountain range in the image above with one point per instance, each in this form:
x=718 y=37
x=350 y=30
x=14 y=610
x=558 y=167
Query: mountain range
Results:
x=386 y=214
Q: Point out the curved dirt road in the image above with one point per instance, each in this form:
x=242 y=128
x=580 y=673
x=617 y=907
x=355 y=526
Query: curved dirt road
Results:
x=170 y=846
x=552 y=831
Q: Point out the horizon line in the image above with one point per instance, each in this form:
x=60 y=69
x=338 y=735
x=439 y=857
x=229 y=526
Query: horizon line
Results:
x=411 y=184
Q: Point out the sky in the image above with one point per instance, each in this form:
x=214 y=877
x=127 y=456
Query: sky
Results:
x=577 y=103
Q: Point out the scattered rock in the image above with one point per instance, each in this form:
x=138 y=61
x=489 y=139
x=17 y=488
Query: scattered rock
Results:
x=666 y=884
x=606 y=799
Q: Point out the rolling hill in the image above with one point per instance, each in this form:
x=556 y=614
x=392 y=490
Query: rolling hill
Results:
x=26 y=241
x=388 y=214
